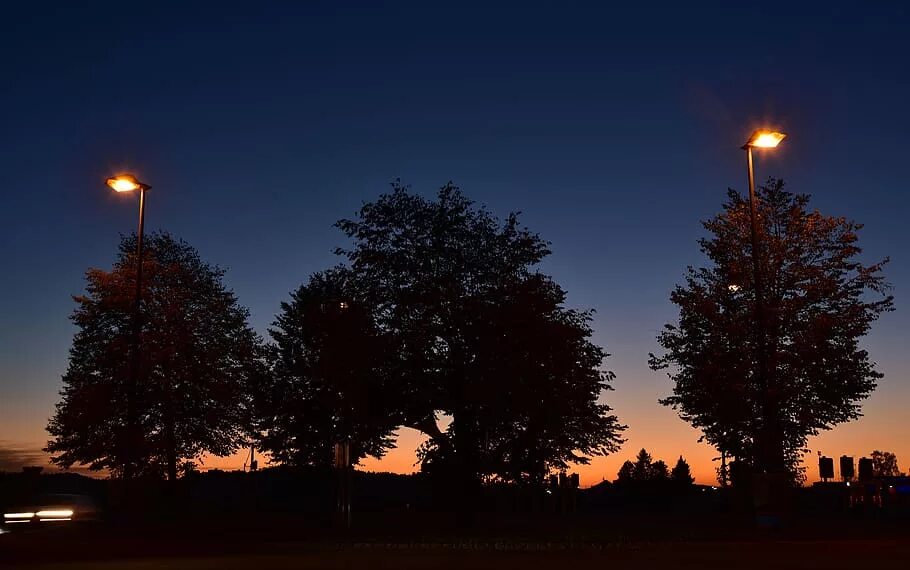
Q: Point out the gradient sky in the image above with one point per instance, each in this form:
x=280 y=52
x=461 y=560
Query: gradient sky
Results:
x=614 y=131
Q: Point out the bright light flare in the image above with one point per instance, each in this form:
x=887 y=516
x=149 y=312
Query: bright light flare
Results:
x=733 y=288
x=55 y=514
x=124 y=183
x=55 y=520
x=18 y=515
x=766 y=139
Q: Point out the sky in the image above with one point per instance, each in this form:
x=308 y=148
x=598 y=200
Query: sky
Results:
x=614 y=130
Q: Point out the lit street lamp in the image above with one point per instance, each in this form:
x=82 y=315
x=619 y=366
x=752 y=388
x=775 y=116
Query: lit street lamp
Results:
x=128 y=183
x=764 y=139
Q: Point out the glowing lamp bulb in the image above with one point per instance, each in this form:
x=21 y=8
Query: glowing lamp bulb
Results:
x=765 y=139
x=124 y=183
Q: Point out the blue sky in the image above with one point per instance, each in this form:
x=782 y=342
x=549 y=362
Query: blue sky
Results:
x=614 y=131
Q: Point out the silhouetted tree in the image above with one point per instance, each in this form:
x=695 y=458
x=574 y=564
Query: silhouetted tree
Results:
x=884 y=464
x=681 y=474
x=532 y=383
x=198 y=357
x=327 y=382
x=660 y=471
x=626 y=473
x=819 y=301
x=642 y=468
x=432 y=272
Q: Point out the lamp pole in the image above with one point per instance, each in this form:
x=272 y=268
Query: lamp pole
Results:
x=136 y=360
x=128 y=183
x=763 y=451
x=767 y=457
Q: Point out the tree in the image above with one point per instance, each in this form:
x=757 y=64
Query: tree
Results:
x=884 y=464
x=533 y=373
x=432 y=272
x=681 y=474
x=626 y=473
x=327 y=384
x=660 y=471
x=642 y=469
x=198 y=357
x=819 y=301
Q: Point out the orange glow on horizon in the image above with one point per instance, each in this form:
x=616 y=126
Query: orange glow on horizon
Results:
x=653 y=427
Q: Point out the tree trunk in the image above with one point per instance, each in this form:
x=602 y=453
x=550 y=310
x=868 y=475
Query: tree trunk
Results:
x=170 y=434
x=464 y=471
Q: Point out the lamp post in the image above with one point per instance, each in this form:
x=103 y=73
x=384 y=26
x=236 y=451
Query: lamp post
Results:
x=129 y=183
x=343 y=463
x=763 y=139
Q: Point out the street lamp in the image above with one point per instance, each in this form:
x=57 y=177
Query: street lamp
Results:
x=764 y=139
x=128 y=183
x=761 y=138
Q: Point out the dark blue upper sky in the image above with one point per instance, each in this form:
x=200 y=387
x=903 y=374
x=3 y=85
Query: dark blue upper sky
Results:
x=615 y=130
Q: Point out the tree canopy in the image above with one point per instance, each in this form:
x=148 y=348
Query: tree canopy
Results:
x=327 y=384
x=681 y=473
x=197 y=359
x=646 y=470
x=467 y=318
x=626 y=472
x=820 y=300
x=532 y=384
x=884 y=464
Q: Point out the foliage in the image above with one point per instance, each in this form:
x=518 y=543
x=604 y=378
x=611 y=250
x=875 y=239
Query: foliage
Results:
x=626 y=473
x=884 y=464
x=198 y=356
x=660 y=471
x=642 y=467
x=681 y=473
x=644 y=470
x=327 y=384
x=451 y=289
x=532 y=384
x=819 y=301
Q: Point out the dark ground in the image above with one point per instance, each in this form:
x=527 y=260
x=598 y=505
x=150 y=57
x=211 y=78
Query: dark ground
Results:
x=280 y=519
x=620 y=541
x=782 y=555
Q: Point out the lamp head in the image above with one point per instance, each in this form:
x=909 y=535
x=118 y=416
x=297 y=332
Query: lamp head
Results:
x=764 y=138
x=125 y=183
